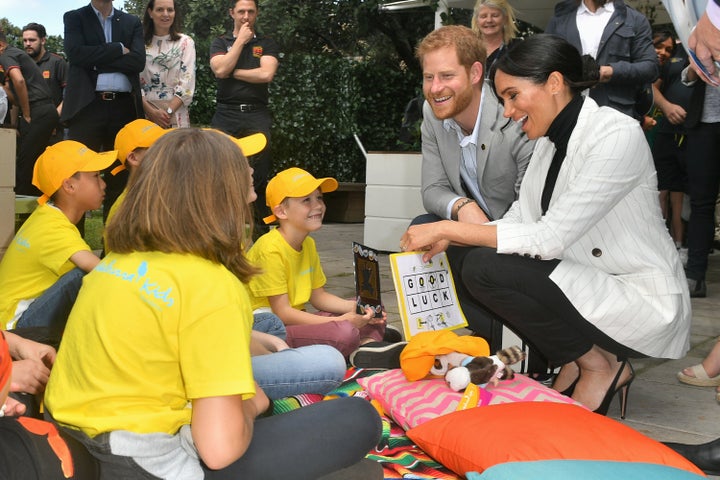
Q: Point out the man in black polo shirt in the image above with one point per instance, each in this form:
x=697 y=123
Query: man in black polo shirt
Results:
x=52 y=66
x=38 y=116
x=245 y=62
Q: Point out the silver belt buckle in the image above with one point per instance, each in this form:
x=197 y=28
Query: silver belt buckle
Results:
x=107 y=96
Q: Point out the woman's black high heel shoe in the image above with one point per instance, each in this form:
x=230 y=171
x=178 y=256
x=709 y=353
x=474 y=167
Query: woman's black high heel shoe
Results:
x=571 y=389
x=624 y=389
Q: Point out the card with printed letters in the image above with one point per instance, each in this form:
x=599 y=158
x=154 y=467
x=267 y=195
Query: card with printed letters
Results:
x=426 y=294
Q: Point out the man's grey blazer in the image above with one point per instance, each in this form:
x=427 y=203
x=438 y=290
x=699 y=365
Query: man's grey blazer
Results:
x=503 y=152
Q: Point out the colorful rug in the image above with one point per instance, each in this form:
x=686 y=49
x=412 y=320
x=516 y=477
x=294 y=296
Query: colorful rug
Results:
x=399 y=457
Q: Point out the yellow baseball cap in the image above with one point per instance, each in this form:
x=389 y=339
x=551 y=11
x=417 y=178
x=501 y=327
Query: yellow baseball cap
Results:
x=63 y=160
x=250 y=145
x=294 y=182
x=140 y=133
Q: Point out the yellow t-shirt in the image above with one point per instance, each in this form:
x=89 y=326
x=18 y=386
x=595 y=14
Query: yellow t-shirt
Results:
x=149 y=332
x=38 y=255
x=285 y=270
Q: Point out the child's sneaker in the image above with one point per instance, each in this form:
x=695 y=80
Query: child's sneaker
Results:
x=378 y=355
x=392 y=334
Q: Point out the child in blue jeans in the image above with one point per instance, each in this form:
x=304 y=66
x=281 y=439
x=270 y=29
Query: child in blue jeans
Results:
x=43 y=267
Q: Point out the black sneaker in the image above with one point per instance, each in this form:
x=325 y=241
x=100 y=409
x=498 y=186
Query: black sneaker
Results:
x=377 y=355
x=392 y=334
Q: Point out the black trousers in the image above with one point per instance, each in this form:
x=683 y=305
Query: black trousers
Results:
x=231 y=120
x=34 y=138
x=96 y=126
x=519 y=291
x=703 y=173
x=303 y=444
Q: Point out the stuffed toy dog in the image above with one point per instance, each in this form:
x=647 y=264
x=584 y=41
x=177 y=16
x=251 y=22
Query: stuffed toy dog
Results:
x=461 y=370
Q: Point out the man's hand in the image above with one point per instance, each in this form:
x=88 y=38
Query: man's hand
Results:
x=704 y=40
x=245 y=34
x=472 y=213
x=606 y=73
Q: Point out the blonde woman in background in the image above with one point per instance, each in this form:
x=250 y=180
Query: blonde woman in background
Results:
x=494 y=23
x=168 y=81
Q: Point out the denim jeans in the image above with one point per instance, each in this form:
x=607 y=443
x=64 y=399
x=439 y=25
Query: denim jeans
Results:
x=268 y=322
x=52 y=308
x=310 y=369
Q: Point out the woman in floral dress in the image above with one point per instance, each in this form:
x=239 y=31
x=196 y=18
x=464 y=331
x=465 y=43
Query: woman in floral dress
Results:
x=168 y=81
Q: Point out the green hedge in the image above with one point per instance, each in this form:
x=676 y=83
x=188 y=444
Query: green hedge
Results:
x=318 y=103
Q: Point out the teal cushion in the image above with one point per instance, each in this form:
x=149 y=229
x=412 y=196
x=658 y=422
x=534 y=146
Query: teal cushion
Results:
x=581 y=469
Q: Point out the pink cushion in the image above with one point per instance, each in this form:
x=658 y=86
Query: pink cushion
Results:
x=525 y=389
x=413 y=403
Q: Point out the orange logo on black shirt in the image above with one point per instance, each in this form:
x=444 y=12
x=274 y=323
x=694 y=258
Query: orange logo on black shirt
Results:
x=257 y=51
x=46 y=74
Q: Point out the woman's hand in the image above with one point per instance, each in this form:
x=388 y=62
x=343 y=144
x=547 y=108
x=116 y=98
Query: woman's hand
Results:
x=156 y=115
x=427 y=237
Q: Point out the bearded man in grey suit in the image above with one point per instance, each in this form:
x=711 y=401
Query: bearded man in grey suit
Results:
x=473 y=158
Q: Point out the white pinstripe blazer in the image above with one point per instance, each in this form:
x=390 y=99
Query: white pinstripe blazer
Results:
x=619 y=266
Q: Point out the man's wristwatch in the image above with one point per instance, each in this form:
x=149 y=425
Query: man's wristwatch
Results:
x=170 y=111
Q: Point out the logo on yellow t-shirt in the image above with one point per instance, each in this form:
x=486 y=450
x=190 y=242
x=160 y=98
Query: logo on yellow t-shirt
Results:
x=150 y=290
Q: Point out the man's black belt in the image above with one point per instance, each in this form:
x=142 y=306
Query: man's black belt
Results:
x=110 y=96
x=243 y=107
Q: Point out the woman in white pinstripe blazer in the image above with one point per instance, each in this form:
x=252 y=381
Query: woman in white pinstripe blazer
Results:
x=582 y=265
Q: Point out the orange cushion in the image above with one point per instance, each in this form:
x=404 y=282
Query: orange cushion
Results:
x=478 y=438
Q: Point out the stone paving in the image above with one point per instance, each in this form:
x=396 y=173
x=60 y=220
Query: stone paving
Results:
x=658 y=405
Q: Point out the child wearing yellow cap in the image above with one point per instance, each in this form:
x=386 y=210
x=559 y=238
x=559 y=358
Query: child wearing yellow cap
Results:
x=157 y=380
x=131 y=143
x=43 y=267
x=292 y=275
